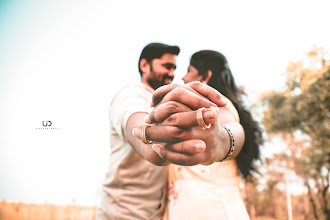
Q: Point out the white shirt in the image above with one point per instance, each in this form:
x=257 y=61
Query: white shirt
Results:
x=134 y=188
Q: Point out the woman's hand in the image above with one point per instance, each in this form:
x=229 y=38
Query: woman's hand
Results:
x=195 y=95
x=177 y=137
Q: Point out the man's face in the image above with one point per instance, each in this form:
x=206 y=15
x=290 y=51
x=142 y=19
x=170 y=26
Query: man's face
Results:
x=161 y=70
x=192 y=75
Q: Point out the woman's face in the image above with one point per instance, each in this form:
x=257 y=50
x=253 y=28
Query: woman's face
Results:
x=192 y=75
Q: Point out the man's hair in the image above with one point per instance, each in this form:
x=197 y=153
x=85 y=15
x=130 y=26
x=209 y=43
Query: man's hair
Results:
x=156 y=50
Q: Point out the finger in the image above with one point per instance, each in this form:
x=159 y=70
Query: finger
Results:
x=178 y=158
x=189 y=98
x=196 y=87
x=188 y=119
x=209 y=92
x=164 y=110
x=137 y=132
x=166 y=134
x=159 y=93
x=188 y=147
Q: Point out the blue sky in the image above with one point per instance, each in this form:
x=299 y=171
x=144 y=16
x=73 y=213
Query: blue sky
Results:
x=63 y=61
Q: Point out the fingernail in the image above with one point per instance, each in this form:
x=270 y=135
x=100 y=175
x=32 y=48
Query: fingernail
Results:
x=135 y=132
x=158 y=145
x=208 y=114
x=147 y=119
x=156 y=148
x=199 y=147
x=215 y=109
x=224 y=100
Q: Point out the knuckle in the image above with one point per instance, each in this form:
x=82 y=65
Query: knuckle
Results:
x=195 y=84
x=178 y=91
x=200 y=103
x=181 y=147
x=178 y=147
x=152 y=116
x=172 y=120
x=186 y=86
x=172 y=86
x=217 y=95
x=171 y=107
x=177 y=133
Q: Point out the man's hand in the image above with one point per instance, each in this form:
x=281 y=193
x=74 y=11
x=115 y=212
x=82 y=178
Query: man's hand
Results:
x=174 y=129
x=179 y=139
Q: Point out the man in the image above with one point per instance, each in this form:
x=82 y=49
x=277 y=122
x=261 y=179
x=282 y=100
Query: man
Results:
x=135 y=188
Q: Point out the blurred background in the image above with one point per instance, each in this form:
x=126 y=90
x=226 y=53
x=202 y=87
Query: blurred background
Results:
x=61 y=62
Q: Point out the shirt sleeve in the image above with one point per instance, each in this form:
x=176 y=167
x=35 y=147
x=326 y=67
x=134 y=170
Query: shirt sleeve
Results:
x=129 y=100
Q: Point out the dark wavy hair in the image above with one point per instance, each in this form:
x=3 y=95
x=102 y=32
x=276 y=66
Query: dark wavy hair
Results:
x=223 y=80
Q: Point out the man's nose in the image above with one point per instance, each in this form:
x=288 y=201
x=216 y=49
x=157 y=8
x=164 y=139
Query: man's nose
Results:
x=171 y=72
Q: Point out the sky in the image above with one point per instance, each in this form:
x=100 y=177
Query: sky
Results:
x=63 y=61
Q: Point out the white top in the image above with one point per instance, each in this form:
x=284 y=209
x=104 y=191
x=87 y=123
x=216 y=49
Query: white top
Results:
x=134 y=188
x=206 y=192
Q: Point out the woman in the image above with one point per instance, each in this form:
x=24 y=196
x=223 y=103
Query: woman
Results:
x=211 y=192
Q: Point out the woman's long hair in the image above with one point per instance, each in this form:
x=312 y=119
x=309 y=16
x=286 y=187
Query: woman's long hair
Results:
x=223 y=80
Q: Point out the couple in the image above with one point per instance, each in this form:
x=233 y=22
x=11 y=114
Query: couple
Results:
x=191 y=124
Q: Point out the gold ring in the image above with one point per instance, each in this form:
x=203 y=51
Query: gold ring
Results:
x=143 y=135
x=200 y=119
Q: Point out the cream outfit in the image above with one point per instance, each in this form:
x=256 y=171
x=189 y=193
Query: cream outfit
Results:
x=205 y=192
x=134 y=188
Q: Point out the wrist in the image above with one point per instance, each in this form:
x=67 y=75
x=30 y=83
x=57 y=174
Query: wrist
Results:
x=222 y=145
x=229 y=148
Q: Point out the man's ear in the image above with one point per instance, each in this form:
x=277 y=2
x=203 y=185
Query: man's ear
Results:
x=144 y=65
x=207 y=77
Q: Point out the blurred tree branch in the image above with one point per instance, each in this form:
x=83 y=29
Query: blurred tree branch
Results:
x=300 y=114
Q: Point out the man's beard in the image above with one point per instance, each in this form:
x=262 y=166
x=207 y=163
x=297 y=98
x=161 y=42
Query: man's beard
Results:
x=154 y=81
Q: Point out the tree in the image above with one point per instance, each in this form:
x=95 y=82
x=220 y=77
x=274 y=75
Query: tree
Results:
x=301 y=114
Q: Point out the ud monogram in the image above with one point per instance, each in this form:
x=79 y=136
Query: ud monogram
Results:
x=46 y=123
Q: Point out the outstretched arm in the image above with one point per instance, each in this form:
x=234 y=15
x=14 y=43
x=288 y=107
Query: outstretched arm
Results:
x=137 y=120
x=184 y=142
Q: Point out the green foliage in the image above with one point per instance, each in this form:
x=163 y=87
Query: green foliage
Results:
x=301 y=112
x=307 y=112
